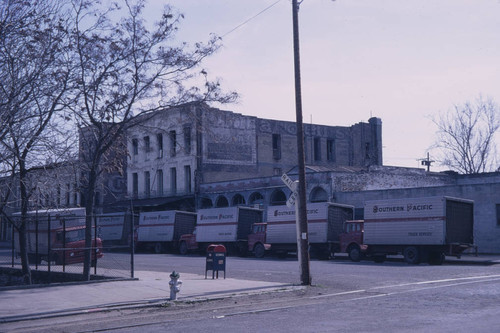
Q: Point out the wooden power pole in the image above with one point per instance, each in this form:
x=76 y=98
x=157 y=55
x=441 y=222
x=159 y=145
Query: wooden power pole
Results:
x=302 y=234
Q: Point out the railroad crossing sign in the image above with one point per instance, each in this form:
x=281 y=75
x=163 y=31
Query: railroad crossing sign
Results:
x=291 y=201
x=292 y=185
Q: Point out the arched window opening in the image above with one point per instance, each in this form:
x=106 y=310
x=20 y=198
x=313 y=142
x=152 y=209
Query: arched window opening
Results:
x=221 y=202
x=278 y=197
x=256 y=198
x=238 y=200
x=318 y=194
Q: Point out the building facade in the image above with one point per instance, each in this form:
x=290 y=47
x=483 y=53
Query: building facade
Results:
x=174 y=151
x=51 y=186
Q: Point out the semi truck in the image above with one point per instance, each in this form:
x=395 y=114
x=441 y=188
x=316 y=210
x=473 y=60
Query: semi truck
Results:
x=57 y=235
x=421 y=229
x=229 y=226
x=279 y=234
x=162 y=230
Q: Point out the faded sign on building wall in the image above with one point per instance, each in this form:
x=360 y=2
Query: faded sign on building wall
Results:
x=230 y=139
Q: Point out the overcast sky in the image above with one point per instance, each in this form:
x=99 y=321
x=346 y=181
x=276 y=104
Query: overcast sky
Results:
x=401 y=61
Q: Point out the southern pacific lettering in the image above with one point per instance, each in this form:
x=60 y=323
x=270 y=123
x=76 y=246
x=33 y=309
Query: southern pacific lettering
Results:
x=229 y=226
x=279 y=233
x=421 y=229
x=160 y=231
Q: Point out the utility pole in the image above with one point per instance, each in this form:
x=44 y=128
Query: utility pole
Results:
x=302 y=234
x=427 y=162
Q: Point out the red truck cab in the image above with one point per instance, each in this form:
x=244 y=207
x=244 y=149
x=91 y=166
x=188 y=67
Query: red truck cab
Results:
x=351 y=240
x=187 y=242
x=257 y=240
x=68 y=247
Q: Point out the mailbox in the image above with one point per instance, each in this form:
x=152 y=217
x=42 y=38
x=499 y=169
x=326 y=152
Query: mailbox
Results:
x=216 y=260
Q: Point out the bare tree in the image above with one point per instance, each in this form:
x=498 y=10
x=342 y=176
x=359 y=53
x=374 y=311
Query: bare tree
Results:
x=125 y=72
x=466 y=136
x=34 y=81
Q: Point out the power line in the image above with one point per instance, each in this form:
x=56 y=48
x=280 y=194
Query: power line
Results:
x=242 y=24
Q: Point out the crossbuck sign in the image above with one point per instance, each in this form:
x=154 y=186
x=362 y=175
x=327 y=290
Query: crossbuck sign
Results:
x=292 y=185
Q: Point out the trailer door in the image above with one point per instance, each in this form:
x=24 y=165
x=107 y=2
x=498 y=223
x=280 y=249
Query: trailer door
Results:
x=459 y=222
x=337 y=215
x=184 y=224
x=246 y=218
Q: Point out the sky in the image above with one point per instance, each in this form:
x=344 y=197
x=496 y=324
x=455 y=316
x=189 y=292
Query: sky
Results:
x=401 y=61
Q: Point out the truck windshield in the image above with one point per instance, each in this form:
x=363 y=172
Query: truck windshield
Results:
x=72 y=235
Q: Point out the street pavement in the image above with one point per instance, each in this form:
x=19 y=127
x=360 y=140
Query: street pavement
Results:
x=146 y=289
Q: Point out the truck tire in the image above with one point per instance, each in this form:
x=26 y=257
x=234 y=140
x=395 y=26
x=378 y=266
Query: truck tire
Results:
x=183 y=248
x=259 y=250
x=354 y=253
x=412 y=256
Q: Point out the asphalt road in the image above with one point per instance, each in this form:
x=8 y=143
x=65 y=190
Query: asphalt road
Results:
x=345 y=297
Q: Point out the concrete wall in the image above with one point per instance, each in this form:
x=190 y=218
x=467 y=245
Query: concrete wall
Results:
x=381 y=177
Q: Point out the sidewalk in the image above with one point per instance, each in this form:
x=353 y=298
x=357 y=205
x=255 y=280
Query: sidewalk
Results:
x=149 y=288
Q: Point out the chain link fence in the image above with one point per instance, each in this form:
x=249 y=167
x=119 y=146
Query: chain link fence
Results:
x=55 y=243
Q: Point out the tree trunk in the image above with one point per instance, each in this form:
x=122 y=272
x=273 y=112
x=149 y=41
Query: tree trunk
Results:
x=23 y=249
x=23 y=240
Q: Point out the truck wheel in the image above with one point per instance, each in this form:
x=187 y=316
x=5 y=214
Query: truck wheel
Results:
x=158 y=248
x=259 y=250
x=354 y=253
x=411 y=255
x=183 y=248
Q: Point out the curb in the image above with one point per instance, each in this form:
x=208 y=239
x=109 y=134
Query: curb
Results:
x=82 y=310
x=147 y=303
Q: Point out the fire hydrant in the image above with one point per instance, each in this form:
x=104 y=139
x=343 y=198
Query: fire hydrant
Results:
x=175 y=285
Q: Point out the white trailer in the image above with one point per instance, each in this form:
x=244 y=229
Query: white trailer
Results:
x=229 y=226
x=161 y=230
x=422 y=229
x=419 y=221
x=53 y=218
x=111 y=226
x=324 y=220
